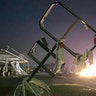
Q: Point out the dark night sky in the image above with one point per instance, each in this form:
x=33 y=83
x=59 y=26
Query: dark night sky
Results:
x=19 y=23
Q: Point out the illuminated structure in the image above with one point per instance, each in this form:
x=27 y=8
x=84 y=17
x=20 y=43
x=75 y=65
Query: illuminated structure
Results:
x=10 y=63
x=60 y=42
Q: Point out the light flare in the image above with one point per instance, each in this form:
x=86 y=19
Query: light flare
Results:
x=90 y=71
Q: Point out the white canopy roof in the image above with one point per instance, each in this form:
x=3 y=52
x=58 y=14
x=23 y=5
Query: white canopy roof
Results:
x=7 y=56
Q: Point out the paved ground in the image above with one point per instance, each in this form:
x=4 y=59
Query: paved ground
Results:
x=58 y=79
x=71 y=79
x=8 y=84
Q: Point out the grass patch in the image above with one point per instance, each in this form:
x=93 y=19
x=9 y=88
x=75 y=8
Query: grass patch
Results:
x=6 y=91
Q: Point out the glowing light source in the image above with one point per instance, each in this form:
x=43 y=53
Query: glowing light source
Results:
x=83 y=22
x=90 y=71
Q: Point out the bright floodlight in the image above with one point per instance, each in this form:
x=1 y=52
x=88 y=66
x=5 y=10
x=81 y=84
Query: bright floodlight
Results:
x=89 y=72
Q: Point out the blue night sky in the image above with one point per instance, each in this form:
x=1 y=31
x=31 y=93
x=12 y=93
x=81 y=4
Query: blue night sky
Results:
x=19 y=23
